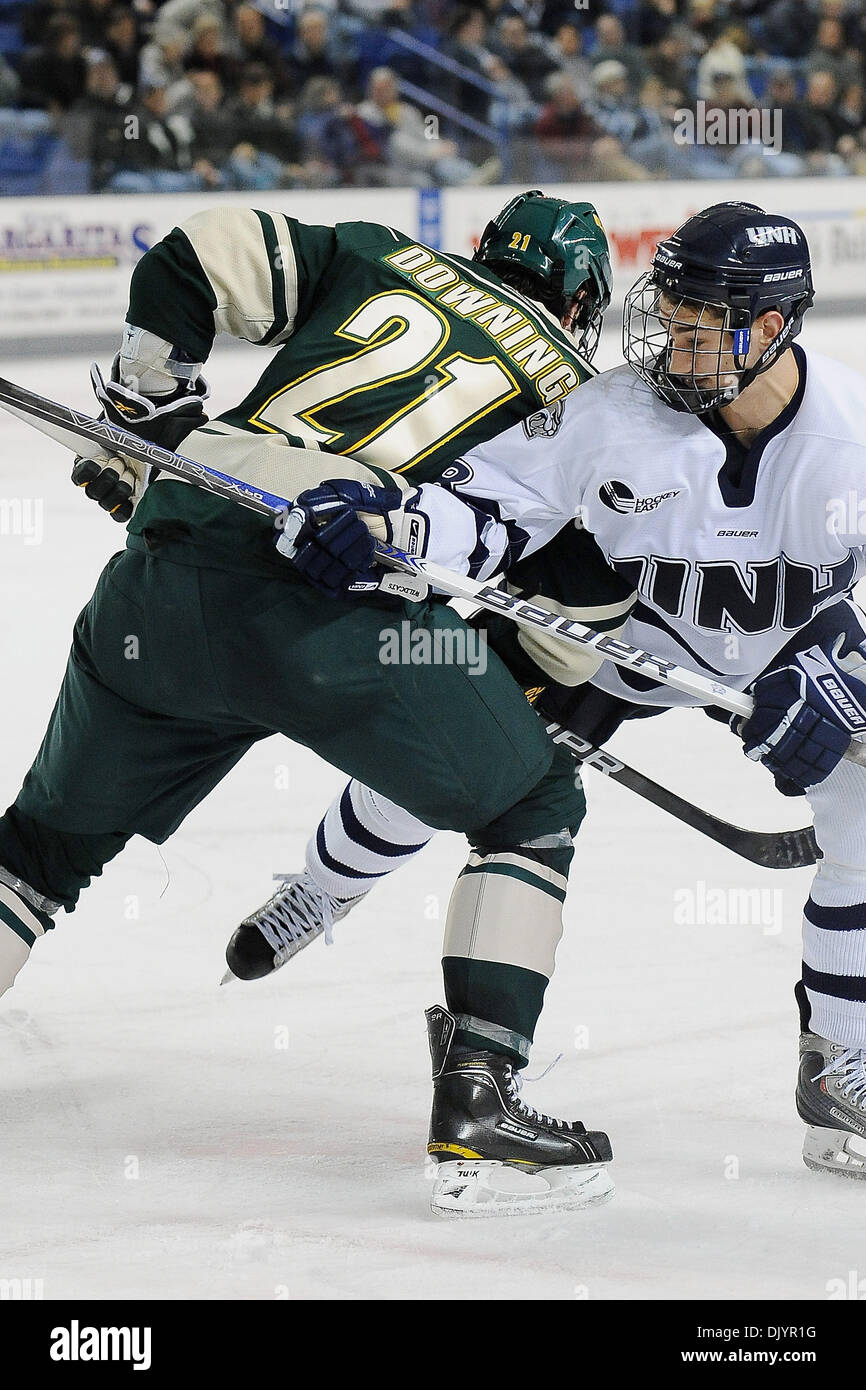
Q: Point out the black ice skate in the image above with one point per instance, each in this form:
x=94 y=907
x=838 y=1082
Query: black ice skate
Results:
x=291 y=919
x=831 y=1099
x=497 y=1156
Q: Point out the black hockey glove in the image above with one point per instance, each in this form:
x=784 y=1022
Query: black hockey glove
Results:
x=164 y=420
x=115 y=483
x=112 y=482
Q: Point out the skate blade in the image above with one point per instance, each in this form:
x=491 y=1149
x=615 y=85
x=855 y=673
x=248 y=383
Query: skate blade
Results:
x=491 y=1188
x=834 y=1151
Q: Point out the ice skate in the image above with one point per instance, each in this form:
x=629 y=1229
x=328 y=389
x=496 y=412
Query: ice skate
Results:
x=497 y=1156
x=296 y=914
x=831 y=1098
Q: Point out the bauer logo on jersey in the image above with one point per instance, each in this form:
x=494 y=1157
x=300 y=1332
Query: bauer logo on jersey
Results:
x=619 y=497
x=543 y=424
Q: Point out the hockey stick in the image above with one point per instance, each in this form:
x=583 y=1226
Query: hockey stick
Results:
x=782 y=849
x=785 y=849
x=72 y=427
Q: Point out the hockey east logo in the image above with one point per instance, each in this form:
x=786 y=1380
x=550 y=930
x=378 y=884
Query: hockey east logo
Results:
x=619 y=497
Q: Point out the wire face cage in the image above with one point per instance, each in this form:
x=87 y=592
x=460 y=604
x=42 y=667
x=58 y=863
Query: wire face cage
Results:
x=692 y=353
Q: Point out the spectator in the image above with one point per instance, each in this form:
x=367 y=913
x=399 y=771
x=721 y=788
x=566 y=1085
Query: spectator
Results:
x=268 y=154
x=564 y=117
x=611 y=46
x=161 y=158
x=653 y=21
x=415 y=155
x=826 y=124
x=566 y=50
x=311 y=55
x=183 y=14
x=829 y=52
x=208 y=50
x=93 y=18
x=673 y=59
x=512 y=108
x=573 y=145
x=250 y=44
x=334 y=136
x=522 y=54
x=55 y=75
x=781 y=96
x=557 y=12
x=787 y=29
x=124 y=43
x=161 y=65
x=37 y=15
x=465 y=45
x=638 y=125
x=851 y=105
x=96 y=126
x=214 y=129
x=724 y=59
x=704 y=18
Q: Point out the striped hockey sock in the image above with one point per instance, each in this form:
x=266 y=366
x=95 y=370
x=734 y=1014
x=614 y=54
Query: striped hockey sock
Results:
x=362 y=837
x=24 y=916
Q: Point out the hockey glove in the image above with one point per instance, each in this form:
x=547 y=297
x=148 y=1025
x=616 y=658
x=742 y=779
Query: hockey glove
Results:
x=117 y=484
x=805 y=714
x=330 y=531
x=164 y=419
x=112 y=482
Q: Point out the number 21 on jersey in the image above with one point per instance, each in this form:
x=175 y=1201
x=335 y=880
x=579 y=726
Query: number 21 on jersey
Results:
x=399 y=335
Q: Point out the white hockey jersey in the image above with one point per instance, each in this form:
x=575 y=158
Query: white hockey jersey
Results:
x=731 y=551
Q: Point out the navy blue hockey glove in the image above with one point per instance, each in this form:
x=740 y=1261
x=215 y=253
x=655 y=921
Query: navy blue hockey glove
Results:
x=805 y=715
x=330 y=544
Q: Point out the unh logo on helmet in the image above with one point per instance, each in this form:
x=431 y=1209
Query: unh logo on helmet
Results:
x=768 y=235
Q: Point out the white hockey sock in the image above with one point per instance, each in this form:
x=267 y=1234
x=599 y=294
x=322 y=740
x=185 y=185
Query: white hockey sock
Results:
x=362 y=837
x=834 y=925
x=834 y=953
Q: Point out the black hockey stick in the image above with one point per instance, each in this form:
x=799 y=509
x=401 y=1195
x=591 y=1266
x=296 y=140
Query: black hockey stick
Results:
x=75 y=429
x=772 y=849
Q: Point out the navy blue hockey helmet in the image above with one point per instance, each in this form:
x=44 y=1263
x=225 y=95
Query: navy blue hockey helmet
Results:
x=708 y=284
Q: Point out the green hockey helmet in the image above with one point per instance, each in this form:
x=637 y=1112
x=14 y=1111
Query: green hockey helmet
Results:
x=556 y=253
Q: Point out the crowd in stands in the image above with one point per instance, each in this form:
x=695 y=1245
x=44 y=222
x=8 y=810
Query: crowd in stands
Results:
x=261 y=94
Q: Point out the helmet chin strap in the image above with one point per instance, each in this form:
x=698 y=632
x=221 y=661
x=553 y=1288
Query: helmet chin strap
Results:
x=767 y=357
x=692 y=396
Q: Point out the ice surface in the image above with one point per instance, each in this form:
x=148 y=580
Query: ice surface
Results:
x=164 y=1138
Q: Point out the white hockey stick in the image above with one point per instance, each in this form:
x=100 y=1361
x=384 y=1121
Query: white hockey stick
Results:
x=77 y=431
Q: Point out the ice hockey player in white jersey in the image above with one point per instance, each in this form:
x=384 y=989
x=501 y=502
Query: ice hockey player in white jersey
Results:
x=722 y=471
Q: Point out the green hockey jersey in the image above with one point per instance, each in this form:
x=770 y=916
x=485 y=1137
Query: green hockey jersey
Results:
x=385 y=351
x=386 y=358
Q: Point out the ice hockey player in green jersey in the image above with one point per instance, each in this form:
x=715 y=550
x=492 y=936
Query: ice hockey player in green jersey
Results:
x=372 y=364
x=400 y=357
